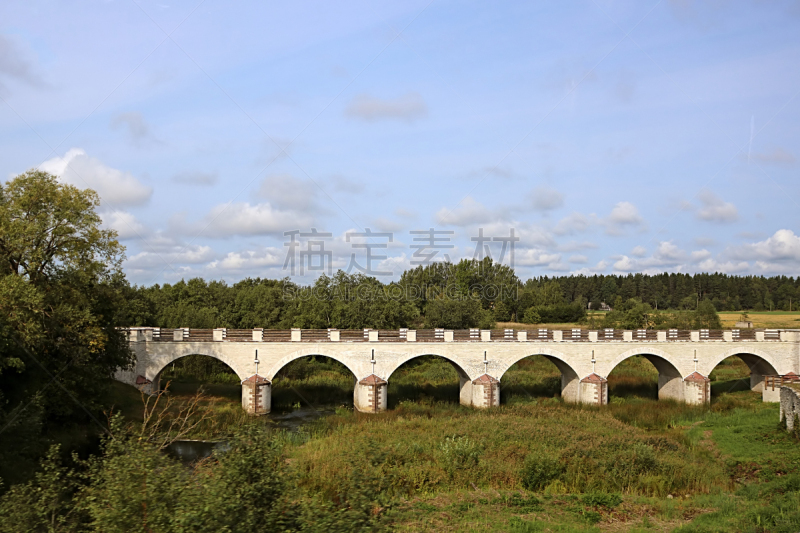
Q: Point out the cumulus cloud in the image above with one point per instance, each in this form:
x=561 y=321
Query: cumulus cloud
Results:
x=579 y=259
x=783 y=246
x=545 y=199
x=714 y=209
x=124 y=223
x=243 y=218
x=625 y=264
x=571 y=224
x=247 y=260
x=639 y=251
x=114 y=186
x=535 y=257
x=468 y=212
x=195 y=177
x=623 y=215
x=408 y=107
x=171 y=260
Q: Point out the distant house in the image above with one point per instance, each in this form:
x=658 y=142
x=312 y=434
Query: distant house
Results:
x=603 y=306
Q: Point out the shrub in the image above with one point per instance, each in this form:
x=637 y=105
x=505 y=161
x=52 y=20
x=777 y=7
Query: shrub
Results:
x=602 y=499
x=540 y=470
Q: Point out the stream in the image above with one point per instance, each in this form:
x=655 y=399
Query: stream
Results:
x=191 y=451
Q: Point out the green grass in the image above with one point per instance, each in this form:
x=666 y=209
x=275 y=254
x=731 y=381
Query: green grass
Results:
x=536 y=463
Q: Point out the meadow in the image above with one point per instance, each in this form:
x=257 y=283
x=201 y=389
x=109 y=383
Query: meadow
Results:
x=536 y=463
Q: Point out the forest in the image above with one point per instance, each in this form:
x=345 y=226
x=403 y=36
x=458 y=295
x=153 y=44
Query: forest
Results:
x=468 y=294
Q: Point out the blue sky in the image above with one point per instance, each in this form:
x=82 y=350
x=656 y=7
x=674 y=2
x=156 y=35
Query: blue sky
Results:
x=612 y=137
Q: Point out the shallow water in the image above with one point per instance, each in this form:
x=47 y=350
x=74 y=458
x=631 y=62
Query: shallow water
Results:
x=191 y=451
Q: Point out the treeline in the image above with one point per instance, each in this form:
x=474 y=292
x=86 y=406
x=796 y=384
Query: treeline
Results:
x=468 y=294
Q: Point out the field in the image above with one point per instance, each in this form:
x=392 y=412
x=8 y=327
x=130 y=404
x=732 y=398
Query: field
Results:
x=535 y=463
x=760 y=319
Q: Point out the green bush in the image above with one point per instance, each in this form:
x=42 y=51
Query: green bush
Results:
x=540 y=470
x=602 y=499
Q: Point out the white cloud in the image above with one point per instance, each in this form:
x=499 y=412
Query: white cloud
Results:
x=623 y=215
x=408 y=107
x=545 y=199
x=534 y=257
x=169 y=260
x=783 y=246
x=700 y=255
x=249 y=260
x=639 y=251
x=244 y=218
x=715 y=209
x=571 y=224
x=466 y=213
x=579 y=259
x=625 y=264
x=114 y=186
x=124 y=223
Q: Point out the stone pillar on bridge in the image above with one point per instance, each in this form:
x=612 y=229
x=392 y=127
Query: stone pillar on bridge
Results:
x=593 y=390
x=256 y=395
x=485 y=392
x=697 y=389
x=370 y=394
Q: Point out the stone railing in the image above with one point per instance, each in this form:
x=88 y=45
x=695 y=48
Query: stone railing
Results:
x=469 y=335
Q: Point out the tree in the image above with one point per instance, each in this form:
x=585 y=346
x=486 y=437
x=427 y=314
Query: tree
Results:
x=60 y=297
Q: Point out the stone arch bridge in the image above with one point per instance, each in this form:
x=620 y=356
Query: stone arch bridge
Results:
x=684 y=359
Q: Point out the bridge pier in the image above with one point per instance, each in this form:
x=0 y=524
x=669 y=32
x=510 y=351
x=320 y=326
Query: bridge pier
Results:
x=370 y=394
x=485 y=392
x=593 y=390
x=256 y=395
x=697 y=389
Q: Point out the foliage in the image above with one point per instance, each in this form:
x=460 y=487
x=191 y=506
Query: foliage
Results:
x=539 y=471
x=61 y=290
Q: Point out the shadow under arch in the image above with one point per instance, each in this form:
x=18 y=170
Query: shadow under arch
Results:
x=188 y=372
x=759 y=364
x=277 y=367
x=570 y=381
x=670 y=385
x=313 y=380
x=427 y=375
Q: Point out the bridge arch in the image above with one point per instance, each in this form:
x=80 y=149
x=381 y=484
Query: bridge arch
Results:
x=160 y=361
x=670 y=378
x=275 y=368
x=570 y=380
x=760 y=363
x=460 y=367
x=466 y=374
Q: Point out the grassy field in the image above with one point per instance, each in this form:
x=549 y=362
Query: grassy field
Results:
x=760 y=319
x=536 y=463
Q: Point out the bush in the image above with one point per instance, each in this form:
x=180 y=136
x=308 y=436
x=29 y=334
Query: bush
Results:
x=602 y=499
x=539 y=471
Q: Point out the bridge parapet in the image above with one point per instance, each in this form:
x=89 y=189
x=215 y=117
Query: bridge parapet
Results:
x=471 y=335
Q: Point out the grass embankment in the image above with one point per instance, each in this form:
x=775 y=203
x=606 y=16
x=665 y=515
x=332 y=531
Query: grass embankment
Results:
x=537 y=464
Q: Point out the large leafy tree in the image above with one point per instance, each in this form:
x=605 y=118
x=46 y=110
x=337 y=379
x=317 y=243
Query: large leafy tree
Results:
x=60 y=296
